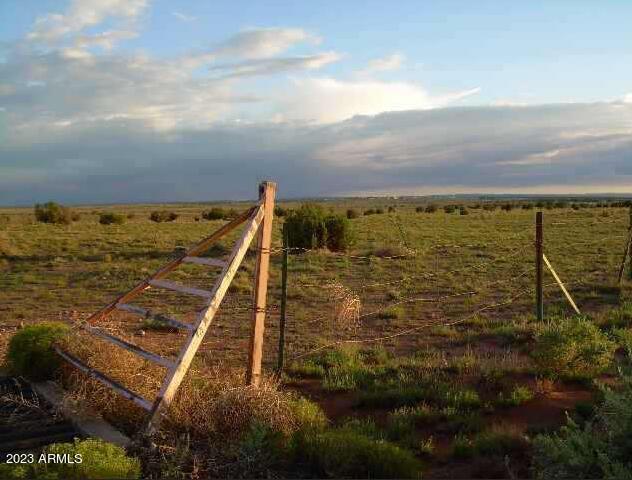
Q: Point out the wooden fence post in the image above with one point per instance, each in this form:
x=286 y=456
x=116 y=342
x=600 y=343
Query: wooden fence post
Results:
x=266 y=195
x=281 y=358
x=626 y=252
x=539 y=293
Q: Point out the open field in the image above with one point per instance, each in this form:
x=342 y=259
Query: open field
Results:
x=435 y=355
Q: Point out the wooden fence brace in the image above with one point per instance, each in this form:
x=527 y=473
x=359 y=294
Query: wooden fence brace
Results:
x=176 y=375
x=258 y=219
x=267 y=192
x=281 y=358
x=539 y=288
x=626 y=252
x=559 y=282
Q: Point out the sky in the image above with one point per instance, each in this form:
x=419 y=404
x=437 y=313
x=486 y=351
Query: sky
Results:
x=106 y=101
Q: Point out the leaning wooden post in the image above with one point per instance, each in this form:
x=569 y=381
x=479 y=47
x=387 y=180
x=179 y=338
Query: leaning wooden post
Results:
x=266 y=196
x=281 y=358
x=539 y=291
x=626 y=252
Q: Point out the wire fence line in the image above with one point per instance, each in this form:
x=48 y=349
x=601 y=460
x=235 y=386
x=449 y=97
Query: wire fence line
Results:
x=436 y=288
x=453 y=278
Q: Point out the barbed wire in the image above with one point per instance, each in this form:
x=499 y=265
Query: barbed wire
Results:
x=412 y=330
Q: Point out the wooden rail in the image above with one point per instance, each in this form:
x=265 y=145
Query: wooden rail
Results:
x=211 y=262
x=176 y=287
x=152 y=357
x=143 y=312
x=259 y=215
x=113 y=384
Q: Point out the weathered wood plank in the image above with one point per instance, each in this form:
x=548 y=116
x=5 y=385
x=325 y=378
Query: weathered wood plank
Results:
x=559 y=282
x=114 y=385
x=205 y=317
x=143 y=312
x=165 y=362
x=253 y=372
x=211 y=262
x=195 y=250
x=180 y=288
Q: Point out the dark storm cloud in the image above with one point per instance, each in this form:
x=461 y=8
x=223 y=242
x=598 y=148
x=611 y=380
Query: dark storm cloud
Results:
x=479 y=147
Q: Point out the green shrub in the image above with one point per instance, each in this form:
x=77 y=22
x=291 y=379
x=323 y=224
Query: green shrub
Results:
x=160 y=216
x=624 y=337
x=280 y=211
x=52 y=212
x=308 y=415
x=306 y=227
x=338 y=233
x=601 y=448
x=309 y=227
x=306 y=369
x=499 y=440
x=391 y=313
x=618 y=317
x=374 y=211
x=347 y=454
x=30 y=351
x=99 y=461
x=449 y=208
x=573 y=348
x=363 y=426
x=215 y=213
x=260 y=452
x=507 y=207
x=111 y=218
x=393 y=397
x=403 y=421
x=352 y=213
x=431 y=208
x=519 y=395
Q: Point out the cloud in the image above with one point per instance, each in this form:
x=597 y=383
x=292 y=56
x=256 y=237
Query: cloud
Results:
x=105 y=40
x=263 y=42
x=276 y=65
x=183 y=17
x=83 y=14
x=329 y=100
x=85 y=122
x=390 y=62
x=458 y=149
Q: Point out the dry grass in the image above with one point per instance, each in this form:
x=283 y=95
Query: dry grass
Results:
x=126 y=368
x=216 y=403
x=346 y=306
x=211 y=402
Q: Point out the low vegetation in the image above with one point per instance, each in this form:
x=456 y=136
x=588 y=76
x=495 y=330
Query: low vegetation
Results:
x=160 y=216
x=31 y=353
x=218 y=213
x=600 y=448
x=471 y=378
x=55 y=213
x=572 y=347
x=91 y=459
x=311 y=227
x=111 y=219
